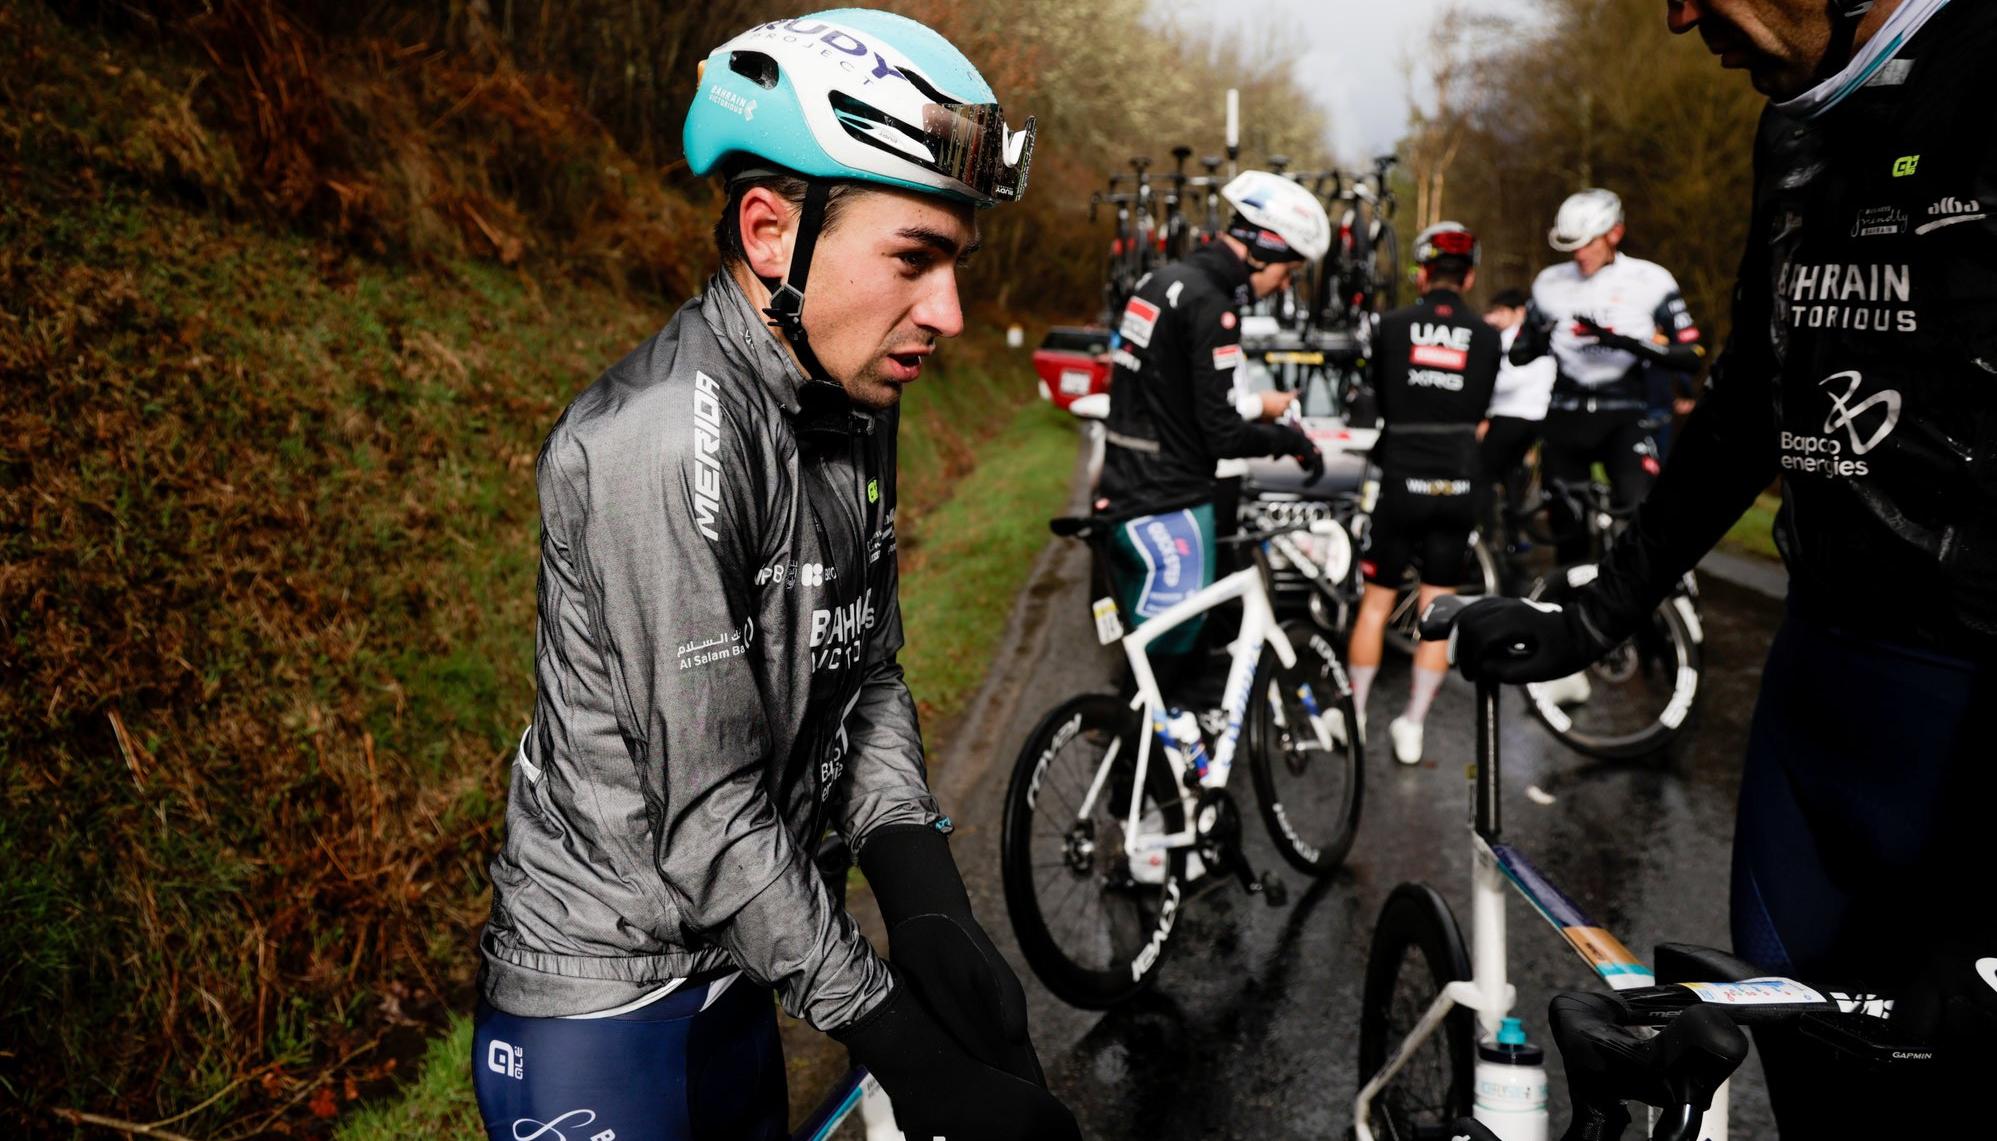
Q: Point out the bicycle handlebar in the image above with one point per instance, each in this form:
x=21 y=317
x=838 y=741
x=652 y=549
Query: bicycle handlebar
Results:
x=1679 y=1069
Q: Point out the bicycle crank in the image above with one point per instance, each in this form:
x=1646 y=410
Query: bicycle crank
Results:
x=1218 y=821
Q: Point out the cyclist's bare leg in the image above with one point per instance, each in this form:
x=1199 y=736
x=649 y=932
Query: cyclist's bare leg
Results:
x=1431 y=663
x=1431 y=655
x=1369 y=633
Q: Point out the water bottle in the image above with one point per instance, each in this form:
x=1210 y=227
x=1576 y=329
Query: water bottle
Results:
x=1511 y=1085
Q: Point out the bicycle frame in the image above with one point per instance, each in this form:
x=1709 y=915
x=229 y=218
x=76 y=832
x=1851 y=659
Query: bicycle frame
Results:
x=1489 y=990
x=1258 y=628
x=853 y=1089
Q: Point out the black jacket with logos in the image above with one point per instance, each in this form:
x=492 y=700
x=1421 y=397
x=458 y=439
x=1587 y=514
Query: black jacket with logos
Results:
x=1861 y=367
x=1433 y=369
x=1172 y=412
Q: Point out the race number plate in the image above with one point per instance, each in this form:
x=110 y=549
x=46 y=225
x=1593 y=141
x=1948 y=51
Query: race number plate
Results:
x=1108 y=627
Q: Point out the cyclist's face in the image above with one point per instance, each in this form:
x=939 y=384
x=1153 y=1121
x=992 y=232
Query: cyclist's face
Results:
x=1778 y=42
x=1596 y=254
x=1504 y=317
x=883 y=289
x=1271 y=277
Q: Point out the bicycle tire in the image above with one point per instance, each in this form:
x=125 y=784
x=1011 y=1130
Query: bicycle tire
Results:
x=1309 y=796
x=1417 y=951
x=1667 y=631
x=1386 y=268
x=1139 y=917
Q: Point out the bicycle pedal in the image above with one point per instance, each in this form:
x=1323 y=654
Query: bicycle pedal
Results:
x=1274 y=892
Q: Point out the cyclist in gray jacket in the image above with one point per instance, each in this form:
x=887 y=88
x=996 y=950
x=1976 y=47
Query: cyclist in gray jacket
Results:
x=716 y=654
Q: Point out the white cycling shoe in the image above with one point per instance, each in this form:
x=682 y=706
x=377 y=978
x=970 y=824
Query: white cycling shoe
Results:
x=1406 y=736
x=1570 y=690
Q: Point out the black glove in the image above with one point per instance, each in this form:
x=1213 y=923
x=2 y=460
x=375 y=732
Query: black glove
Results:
x=1952 y=1003
x=1609 y=338
x=1303 y=449
x=938 y=1090
x=1515 y=641
x=938 y=948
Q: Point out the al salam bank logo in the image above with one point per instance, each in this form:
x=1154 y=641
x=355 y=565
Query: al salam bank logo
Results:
x=1952 y=212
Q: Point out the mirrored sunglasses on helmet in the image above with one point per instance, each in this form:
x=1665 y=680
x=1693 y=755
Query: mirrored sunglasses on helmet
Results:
x=967 y=142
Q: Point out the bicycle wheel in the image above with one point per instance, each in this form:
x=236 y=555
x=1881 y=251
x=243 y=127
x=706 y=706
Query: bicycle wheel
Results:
x=1091 y=920
x=1638 y=697
x=1386 y=268
x=1417 y=951
x=1306 y=759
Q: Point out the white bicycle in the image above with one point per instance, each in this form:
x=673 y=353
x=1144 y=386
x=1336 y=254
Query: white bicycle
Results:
x=1428 y=999
x=1116 y=805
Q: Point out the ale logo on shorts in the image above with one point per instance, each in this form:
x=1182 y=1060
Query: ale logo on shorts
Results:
x=506 y=1060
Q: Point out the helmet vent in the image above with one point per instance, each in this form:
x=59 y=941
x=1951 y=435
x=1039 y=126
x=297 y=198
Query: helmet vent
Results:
x=756 y=67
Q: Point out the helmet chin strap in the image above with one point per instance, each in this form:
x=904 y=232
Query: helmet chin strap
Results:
x=1846 y=16
x=786 y=308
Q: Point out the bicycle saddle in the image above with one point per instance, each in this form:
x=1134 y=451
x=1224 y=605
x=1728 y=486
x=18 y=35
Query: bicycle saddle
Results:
x=1078 y=526
x=1440 y=617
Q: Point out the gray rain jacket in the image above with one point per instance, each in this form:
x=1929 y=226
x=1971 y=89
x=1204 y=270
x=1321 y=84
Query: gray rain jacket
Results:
x=716 y=683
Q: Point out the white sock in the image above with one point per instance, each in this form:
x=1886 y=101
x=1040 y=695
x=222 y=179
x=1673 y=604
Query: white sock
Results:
x=1362 y=683
x=1421 y=693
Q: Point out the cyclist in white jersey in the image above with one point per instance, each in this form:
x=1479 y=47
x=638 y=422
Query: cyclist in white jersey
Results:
x=1604 y=316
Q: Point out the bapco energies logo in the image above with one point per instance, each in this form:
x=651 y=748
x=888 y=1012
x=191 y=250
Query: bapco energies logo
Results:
x=1852 y=429
x=1845 y=414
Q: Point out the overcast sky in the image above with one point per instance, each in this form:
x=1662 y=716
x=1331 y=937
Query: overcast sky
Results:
x=1355 y=54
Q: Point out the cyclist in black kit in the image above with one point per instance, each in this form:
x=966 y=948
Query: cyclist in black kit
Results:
x=1433 y=369
x=1173 y=412
x=1860 y=371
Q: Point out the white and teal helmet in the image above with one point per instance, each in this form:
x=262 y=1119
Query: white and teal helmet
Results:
x=859 y=95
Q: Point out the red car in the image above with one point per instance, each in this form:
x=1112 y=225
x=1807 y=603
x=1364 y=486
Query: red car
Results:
x=1073 y=361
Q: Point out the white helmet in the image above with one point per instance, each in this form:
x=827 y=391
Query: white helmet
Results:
x=1277 y=219
x=1583 y=218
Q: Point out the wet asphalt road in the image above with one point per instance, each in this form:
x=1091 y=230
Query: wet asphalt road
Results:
x=1251 y=1030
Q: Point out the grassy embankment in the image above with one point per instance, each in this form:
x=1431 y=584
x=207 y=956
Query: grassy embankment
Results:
x=268 y=560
